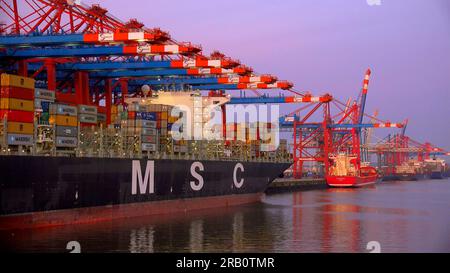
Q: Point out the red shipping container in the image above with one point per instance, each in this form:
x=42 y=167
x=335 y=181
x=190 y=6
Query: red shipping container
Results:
x=17 y=93
x=86 y=125
x=17 y=116
x=131 y=115
x=158 y=124
x=158 y=117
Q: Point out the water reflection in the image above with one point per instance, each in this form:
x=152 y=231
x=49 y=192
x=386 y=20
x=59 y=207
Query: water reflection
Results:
x=142 y=239
x=406 y=217
x=196 y=236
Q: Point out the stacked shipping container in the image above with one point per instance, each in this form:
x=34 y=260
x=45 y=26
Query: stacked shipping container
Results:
x=17 y=108
x=87 y=115
x=42 y=100
x=64 y=117
x=153 y=124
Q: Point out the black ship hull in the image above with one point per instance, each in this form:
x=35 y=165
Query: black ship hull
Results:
x=411 y=177
x=437 y=175
x=392 y=177
x=71 y=190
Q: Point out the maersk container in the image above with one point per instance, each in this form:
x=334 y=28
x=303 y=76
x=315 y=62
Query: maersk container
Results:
x=20 y=139
x=62 y=109
x=66 y=142
x=44 y=94
x=87 y=109
x=86 y=118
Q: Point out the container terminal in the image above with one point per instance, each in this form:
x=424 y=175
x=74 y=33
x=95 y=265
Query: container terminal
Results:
x=104 y=119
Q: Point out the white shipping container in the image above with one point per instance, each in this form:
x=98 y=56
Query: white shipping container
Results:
x=44 y=94
x=87 y=109
x=66 y=142
x=85 y=118
x=62 y=109
x=148 y=147
x=17 y=139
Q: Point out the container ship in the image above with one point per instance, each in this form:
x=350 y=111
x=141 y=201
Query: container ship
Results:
x=345 y=172
x=63 y=164
x=435 y=168
x=411 y=170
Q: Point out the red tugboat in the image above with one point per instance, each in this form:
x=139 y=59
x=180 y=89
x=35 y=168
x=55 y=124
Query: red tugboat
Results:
x=346 y=172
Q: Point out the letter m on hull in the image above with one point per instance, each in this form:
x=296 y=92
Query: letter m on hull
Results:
x=146 y=184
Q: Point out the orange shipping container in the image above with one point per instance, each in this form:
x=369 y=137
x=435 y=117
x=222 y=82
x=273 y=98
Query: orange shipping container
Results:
x=17 y=81
x=20 y=128
x=17 y=104
x=60 y=120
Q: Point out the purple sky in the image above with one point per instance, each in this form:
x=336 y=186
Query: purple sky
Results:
x=326 y=46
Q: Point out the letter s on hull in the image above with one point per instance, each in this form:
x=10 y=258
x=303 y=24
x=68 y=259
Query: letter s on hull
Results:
x=197 y=185
x=147 y=181
x=241 y=182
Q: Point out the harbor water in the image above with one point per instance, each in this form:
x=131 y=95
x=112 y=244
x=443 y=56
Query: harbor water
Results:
x=398 y=216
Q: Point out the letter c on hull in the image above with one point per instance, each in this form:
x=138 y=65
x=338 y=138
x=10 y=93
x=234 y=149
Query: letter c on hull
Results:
x=241 y=182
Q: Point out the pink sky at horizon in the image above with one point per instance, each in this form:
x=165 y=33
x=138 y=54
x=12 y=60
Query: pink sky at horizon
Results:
x=326 y=46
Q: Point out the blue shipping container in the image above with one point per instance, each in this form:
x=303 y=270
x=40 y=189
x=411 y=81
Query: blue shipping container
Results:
x=146 y=116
